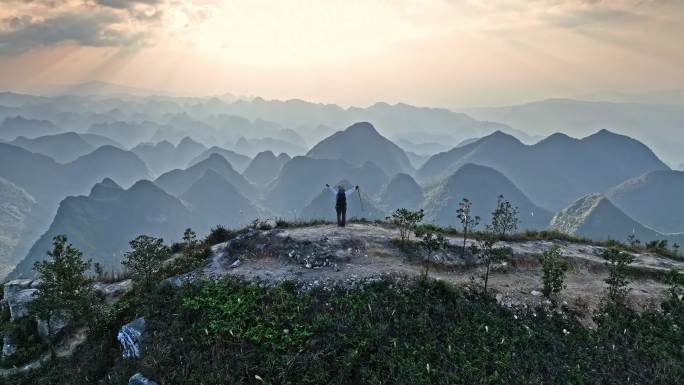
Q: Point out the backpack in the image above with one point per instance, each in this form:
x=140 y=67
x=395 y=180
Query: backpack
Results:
x=341 y=199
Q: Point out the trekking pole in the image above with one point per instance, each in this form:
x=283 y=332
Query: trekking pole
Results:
x=360 y=200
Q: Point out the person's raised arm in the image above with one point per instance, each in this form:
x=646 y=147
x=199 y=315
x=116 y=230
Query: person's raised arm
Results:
x=332 y=190
x=350 y=191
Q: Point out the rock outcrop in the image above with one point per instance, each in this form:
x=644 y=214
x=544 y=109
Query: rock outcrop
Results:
x=130 y=337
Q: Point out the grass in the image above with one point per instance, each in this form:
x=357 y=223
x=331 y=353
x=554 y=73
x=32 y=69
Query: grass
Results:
x=388 y=332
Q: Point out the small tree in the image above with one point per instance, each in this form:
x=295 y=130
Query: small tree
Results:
x=633 y=241
x=146 y=258
x=489 y=254
x=190 y=239
x=432 y=243
x=504 y=218
x=675 y=249
x=617 y=262
x=468 y=221
x=553 y=270
x=406 y=220
x=65 y=291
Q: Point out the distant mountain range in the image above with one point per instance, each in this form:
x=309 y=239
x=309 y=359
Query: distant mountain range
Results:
x=265 y=167
x=482 y=186
x=200 y=152
x=61 y=147
x=102 y=224
x=555 y=171
x=13 y=127
x=178 y=181
x=657 y=125
x=49 y=182
x=164 y=156
x=238 y=161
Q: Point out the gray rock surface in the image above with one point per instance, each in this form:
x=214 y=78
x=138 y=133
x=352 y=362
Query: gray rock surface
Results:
x=130 y=337
x=113 y=291
x=139 y=379
x=8 y=348
x=19 y=301
x=56 y=325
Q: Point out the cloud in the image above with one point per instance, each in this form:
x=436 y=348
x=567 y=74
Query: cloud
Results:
x=127 y=24
x=97 y=29
x=127 y=4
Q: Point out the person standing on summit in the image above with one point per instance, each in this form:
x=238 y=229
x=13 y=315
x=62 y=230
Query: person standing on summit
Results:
x=341 y=202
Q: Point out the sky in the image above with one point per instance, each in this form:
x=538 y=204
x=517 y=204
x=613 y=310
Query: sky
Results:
x=450 y=53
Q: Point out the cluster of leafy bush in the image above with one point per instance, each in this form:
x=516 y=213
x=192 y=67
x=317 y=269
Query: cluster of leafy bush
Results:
x=400 y=331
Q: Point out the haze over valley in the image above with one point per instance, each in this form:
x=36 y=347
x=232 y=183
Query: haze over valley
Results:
x=69 y=159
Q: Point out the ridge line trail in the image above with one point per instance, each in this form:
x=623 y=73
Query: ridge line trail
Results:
x=326 y=254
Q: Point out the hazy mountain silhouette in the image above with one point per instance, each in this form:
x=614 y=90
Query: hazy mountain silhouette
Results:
x=102 y=224
x=393 y=120
x=238 y=161
x=425 y=148
x=417 y=161
x=253 y=146
x=99 y=140
x=482 y=186
x=360 y=143
x=123 y=166
x=283 y=158
x=655 y=199
x=596 y=217
x=49 y=182
x=658 y=125
x=127 y=133
x=176 y=182
x=302 y=178
x=12 y=128
x=323 y=206
x=556 y=170
x=61 y=147
x=216 y=202
x=402 y=191
x=164 y=156
x=264 y=168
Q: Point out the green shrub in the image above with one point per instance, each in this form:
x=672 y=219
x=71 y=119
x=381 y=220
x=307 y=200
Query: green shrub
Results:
x=24 y=335
x=553 y=271
x=617 y=262
x=406 y=220
x=393 y=331
x=218 y=234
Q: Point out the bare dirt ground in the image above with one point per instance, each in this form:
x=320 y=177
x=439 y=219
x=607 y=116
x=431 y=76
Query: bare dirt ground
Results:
x=327 y=254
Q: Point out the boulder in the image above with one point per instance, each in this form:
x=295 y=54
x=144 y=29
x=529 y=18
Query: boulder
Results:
x=56 y=325
x=113 y=291
x=8 y=348
x=12 y=287
x=18 y=302
x=139 y=379
x=130 y=337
